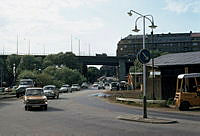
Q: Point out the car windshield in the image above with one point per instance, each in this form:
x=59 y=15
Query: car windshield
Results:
x=34 y=92
x=26 y=83
x=49 y=88
x=65 y=86
x=114 y=84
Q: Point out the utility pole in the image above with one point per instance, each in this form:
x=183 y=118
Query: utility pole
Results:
x=44 y=49
x=17 y=44
x=29 y=46
x=71 y=45
x=79 y=47
x=89 y=49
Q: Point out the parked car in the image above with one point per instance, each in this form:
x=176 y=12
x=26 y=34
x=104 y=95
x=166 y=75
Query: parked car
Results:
x=101 y=86
x=75 y=87
x=95 y=84
x=34 y=97
x=51 y=91
x=84 y=85
x=65 y=89
x=123 y=85
x=114 y=86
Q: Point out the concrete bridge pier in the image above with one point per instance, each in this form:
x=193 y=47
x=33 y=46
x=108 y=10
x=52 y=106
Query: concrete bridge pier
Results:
x=122 y=70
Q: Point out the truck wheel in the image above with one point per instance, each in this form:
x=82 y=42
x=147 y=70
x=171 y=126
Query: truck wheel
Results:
x=184 y=106
x=17 y=95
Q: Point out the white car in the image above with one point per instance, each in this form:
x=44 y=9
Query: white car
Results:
x=50 y=91
x=65 y=88
x=75 y=87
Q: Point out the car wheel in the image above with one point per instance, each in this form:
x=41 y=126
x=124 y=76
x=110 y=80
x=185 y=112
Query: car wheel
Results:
x=45 y=107
x=184 y=106
x=26 y=108
x=57 y=96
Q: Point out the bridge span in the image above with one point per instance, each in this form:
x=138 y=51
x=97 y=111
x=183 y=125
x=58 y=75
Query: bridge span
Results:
x=122 y=63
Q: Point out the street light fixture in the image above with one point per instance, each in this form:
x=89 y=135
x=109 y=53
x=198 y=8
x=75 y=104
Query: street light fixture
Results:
x=144 y=66
x=136 y=29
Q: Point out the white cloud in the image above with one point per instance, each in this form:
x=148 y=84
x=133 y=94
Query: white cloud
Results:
x=182 y=6
x=42 y=20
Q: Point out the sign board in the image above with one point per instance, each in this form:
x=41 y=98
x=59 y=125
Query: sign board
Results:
x=144 y=56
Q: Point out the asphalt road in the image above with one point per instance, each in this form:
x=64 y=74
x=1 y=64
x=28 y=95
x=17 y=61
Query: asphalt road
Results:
x=80 y=114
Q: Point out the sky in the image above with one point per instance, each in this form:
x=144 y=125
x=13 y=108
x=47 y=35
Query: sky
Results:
x=49 y=26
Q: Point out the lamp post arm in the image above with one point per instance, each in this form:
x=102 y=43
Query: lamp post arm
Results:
x=137 y=20
x=137 y=13
x=151 y=20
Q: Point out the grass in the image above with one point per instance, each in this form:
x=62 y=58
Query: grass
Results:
x=135 y=94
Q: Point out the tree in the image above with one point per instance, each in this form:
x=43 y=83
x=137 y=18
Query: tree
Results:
x=157 y=53
x=11 y=61
x=67 y=59
x=64 y=75
x=137 y=67
x=6 y=79
x=29 y=62
x=108 y=71
x=93 y=74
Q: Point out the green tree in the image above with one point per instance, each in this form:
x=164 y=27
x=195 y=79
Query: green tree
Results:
x=137 y=67
x=6 y=79
x=108 y=71
x=157 y=53
x=29 y=62
x=11 y=61
x=43 y=79
x=93 y=74
x=27 y=74
x=67 y=59
x=64 y=75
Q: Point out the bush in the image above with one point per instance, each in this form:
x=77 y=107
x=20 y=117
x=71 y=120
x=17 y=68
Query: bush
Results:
x=27 y=74
x=53 y=75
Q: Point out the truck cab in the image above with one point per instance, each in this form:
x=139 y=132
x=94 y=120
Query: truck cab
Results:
x=23 y=84
x=187 y=91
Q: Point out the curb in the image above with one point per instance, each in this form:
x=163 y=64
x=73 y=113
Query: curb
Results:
x=151 y=120
x=7 y=96
x=140 y=100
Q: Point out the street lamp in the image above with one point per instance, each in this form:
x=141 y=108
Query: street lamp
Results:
x=79 y=46
x=144 y=66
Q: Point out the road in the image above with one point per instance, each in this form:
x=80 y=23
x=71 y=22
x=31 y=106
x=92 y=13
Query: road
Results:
x=80 y=114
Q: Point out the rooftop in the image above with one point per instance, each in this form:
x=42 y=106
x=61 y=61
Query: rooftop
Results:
x=186 y=58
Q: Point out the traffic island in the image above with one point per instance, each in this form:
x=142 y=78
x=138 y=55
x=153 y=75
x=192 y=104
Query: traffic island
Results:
x=152 y=120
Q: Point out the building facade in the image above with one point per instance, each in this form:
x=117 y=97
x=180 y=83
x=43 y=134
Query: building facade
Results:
x=171 y=43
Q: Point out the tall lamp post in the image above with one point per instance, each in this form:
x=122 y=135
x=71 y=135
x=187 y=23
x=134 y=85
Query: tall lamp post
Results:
x=144 y=66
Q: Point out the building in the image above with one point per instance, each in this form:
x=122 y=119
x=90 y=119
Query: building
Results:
x=171 y=43
x=170 y=66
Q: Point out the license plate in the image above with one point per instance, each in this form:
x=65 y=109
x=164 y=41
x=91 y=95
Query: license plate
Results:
x=35 y=106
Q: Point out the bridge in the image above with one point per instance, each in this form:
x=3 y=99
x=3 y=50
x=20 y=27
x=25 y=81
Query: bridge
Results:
x=122 y=63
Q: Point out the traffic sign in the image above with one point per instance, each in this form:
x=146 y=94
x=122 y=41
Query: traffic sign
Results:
x=144 y=56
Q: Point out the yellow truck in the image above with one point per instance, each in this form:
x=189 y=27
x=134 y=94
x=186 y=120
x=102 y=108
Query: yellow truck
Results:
x=187 y=91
